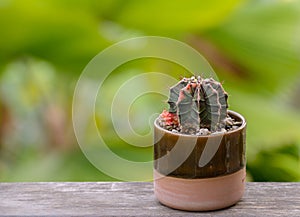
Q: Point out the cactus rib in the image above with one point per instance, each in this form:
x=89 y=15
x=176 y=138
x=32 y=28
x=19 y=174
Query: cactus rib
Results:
x=199 y=103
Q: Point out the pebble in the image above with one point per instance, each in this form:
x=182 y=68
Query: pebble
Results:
x=223 y=130
x=203 y=132
x=229 y=121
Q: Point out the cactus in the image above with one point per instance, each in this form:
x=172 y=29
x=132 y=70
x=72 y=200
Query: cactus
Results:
x=199 y=103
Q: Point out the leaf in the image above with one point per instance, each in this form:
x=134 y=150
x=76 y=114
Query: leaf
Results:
x=269 y=125
x=65 y=36
x=165 y=17
x=272 y=165
x=262 y=37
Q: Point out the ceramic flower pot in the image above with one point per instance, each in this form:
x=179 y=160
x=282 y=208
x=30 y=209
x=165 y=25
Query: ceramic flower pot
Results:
x=200 y=173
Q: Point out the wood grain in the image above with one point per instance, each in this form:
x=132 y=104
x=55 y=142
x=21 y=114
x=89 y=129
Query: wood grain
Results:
x=134 y=199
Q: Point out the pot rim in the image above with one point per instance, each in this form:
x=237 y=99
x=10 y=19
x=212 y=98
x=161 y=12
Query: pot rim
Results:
x=230 y=112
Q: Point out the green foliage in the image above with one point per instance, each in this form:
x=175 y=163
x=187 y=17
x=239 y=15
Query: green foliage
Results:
x=253 y=45
x=262 y=37
x=176 y=17
x=66 y=36
x=268 y=165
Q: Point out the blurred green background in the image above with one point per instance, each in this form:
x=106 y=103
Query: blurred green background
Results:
x=254 y=46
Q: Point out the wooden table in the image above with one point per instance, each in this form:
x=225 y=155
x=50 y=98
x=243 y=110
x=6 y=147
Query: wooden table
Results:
x=134 y=199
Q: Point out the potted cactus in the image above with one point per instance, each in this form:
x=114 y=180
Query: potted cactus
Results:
x=199 y=148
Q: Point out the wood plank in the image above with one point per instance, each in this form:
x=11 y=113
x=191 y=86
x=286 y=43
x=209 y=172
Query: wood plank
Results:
x=134 y=199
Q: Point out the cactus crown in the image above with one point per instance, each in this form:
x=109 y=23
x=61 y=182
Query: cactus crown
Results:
x=199 y=103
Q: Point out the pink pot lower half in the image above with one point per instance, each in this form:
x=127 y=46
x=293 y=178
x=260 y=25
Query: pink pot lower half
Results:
x=200 y=194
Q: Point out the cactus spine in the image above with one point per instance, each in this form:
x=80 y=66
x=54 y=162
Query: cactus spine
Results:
x=199 y=103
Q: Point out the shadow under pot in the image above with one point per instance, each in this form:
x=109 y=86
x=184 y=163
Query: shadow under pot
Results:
x=200 y=173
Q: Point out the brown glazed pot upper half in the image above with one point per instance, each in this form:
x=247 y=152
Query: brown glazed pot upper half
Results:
x=185 y=164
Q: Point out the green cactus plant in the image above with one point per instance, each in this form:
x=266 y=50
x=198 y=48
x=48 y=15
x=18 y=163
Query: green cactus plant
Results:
x=199 y=103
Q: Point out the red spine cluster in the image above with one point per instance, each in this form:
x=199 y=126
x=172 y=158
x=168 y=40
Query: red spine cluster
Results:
x=169 y=120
